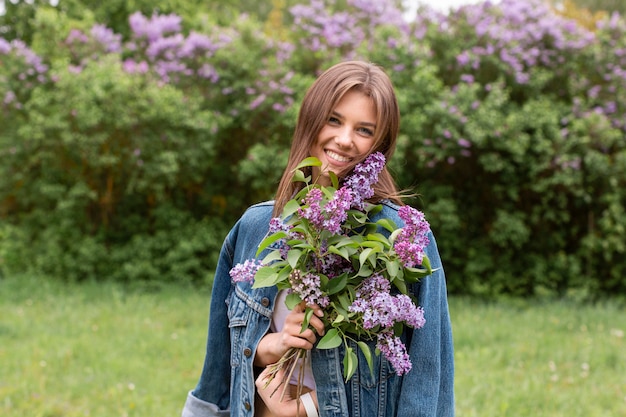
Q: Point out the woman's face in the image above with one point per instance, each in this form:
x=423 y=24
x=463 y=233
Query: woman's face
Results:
x=349 y=133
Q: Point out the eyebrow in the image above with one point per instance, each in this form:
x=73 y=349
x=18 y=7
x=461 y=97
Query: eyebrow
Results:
x=335 y=113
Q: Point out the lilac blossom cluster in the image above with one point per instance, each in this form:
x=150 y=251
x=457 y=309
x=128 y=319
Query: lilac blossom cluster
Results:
x=522 y=34
x=328 y=30
x=245 y=272
x=331 y=215
x=356 y=189
x=158 y=45
x=21 y=69
x=392 y=348
x=381 y=311
x=307 y=286
x=413 y=239
x=365 y=175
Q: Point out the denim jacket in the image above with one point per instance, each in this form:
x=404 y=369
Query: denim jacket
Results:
x=240 y=317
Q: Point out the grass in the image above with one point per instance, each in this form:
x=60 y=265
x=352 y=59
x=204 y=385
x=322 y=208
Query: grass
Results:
x=107 y=350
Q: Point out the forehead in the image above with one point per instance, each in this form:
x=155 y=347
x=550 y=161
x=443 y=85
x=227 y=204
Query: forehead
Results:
x=357 y=104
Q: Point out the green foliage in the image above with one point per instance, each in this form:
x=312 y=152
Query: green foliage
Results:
x=111 y=138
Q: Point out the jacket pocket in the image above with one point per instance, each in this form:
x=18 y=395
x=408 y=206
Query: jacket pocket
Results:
x=238 y=318
x=382 y=370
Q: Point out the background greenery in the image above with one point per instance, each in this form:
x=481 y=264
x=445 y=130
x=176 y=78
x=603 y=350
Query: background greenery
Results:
x=107 y=349
x=131 y=138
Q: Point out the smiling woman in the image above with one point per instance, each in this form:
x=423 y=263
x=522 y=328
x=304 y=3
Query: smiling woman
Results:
x=349 y=116
x=348 y=135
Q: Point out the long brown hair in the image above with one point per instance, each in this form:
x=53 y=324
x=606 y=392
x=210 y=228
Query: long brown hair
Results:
x=319 y=102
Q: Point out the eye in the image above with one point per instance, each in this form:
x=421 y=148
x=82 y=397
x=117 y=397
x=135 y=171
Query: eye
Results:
x=365 y=131
x=333 y=120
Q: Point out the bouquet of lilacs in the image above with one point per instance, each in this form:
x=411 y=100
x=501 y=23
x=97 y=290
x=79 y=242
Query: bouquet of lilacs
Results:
x=326 y=250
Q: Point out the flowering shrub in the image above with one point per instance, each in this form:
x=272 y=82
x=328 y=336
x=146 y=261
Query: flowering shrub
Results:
x=327 y=249
x=513 y=123
x=21 y=70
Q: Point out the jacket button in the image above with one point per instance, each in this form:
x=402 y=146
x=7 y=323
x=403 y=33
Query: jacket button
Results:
x=247 y=352
x=247 y=406
x=265 y=302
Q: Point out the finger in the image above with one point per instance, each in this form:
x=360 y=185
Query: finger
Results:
x=317 y=310
x=300 y=307
x=318 y=325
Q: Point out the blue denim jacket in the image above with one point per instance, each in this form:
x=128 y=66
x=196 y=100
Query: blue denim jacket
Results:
x=240 y=317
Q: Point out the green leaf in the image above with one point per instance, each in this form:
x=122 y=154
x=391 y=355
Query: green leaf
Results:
x=292 y=300
x=350 y=362
x=272 y=257
x=293 y=256
x=265 y=277
x=309 y=162
x=339 y=319
x=372 y=209
x=368 y=355
x=364 y=255
x=308 y=313
x=344 y=301
x=392 y=268
x=337 y=284
x=377 y=237
x=331 y=340
x=426 y=264
x=269 y=240
x=341 y=252
x=333 y=179
x=387 y=224
x=298 y=176
x=394 y=235
x=364 y=271
x=401 y=286
x=291 y=207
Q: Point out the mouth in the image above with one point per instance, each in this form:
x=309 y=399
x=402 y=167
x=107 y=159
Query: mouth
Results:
x=336 y=157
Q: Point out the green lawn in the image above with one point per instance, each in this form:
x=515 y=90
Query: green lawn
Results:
x=108 y=351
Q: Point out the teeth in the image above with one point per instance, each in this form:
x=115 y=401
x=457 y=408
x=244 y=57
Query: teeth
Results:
x=337 y=157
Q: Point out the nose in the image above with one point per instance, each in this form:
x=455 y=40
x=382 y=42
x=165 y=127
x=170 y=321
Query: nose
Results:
x=344 y=138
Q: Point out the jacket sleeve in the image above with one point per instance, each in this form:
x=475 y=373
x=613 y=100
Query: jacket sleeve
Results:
x=211 y=397
x=428 y=389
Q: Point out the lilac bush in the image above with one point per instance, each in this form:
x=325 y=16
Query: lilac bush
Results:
x=513 y=124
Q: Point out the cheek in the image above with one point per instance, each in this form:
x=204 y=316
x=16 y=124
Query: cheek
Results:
x=365 y=146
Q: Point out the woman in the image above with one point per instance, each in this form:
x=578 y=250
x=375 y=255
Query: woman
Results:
x=349 y=112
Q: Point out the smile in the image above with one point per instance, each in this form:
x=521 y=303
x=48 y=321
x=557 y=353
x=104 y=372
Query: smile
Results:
x=335 y=156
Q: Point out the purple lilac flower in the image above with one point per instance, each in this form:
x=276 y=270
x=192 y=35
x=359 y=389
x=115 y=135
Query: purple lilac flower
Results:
x=381 y=309
x=307 y=286
x=109 y=39
x=333 y=265
x=133 y=67
x=337 y=210
x=165 y=47
x=413 y=238
x=245 y=272
x=9 y=97
x=394 y=351
x=313 y=213
x=364 y=176
x=152 y=29
x=76 y=36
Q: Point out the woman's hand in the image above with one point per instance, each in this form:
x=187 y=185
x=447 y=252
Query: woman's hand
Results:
x=287 y=406
x=274 y=345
